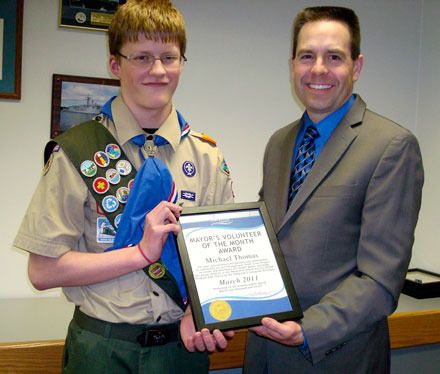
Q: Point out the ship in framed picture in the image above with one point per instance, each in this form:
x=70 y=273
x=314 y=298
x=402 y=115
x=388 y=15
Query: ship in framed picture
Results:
x=88 y=14
x=77 y=99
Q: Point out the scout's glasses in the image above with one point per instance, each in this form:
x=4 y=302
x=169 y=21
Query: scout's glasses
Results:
x=144 y=60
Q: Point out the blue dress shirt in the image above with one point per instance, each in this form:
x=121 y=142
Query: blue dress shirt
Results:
x=325 y=128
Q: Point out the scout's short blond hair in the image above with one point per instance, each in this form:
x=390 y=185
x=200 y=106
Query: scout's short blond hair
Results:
x=158 y=20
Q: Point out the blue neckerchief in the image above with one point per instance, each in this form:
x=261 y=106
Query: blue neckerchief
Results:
x=153 y=183
x=107 y=108
x=325 y=127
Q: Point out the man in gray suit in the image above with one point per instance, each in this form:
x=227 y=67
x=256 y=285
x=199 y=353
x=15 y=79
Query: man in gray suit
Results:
x=343 y=189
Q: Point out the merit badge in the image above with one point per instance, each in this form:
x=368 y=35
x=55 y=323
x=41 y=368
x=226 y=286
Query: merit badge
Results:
x=100 y=185
x=124 y=167
x=88 y=168
x=156 y=270
x=113 y=176
x=101 y=159
x=189 y=169
x=188 y=195
x=105 y=233
x=220 y=310
x=110 y=203
x=130 y=184
x=224 y=167
x=113 y=151
x=118 y=220
x=122 y=194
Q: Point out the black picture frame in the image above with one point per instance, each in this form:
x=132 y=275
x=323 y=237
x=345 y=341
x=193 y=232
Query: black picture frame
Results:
x=231 y=311
x=11 y=32
x=88 y=93
x=88 y=14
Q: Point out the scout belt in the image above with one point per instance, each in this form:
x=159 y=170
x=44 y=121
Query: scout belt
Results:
x=144 y=335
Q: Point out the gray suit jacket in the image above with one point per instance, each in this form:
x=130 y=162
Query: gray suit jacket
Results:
x=347 y=240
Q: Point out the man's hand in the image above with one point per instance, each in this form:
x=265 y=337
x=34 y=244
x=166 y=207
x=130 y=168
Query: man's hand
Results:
x=158 y=224
x=287 y=333
x=201 y=340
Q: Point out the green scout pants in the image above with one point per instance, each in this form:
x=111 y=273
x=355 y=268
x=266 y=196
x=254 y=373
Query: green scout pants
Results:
x=86 y=352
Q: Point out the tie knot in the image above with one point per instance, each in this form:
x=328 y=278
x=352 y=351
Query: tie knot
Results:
x=311 y=133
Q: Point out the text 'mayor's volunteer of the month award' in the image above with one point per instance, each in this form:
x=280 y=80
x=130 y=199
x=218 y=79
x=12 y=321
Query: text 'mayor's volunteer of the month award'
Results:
x=233 y=267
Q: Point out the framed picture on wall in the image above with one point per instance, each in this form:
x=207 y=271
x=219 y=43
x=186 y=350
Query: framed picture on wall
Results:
x=88 y=14
x=11 y=35
x=77 y=99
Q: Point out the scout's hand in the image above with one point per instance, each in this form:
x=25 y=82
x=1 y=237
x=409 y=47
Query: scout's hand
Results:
x=201 y=340
x=158 y=224
x=287 y=333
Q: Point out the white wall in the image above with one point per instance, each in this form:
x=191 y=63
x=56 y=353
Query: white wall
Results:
x=235 y=87
x=426 y=253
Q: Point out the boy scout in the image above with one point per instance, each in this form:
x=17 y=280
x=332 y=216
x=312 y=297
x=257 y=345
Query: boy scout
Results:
x=125 y=319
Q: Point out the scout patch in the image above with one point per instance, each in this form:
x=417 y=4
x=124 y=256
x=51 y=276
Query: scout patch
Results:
x=101 y=185
x=118 y=220
x=101 y=159
x=113 y=151
x=189 y=169
x=124 y=167
x=110 y=204
x=188 y=195
x=105 y=233
x=88 y=168
x=130 y=184
x=224 y=167
x=122 y=194
x=113 y=176
x=156 y=270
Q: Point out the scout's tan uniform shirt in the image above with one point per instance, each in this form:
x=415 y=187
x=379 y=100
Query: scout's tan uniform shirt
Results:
x=63 y=216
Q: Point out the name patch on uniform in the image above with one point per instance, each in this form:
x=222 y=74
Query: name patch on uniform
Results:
x=188 y=195
x=105 y=233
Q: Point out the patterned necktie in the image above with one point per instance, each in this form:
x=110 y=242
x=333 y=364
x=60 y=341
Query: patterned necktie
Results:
x=304 y=161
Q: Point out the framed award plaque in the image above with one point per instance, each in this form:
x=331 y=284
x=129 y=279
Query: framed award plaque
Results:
x=233 y=266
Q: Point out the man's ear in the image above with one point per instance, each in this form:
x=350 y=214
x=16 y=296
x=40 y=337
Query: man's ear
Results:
x=114 y=65
x=358 y=63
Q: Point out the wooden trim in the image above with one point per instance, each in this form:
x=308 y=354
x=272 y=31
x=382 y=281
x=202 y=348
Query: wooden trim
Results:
x=407 y=329
x=410 y=329
x=31 y=357
x=232 y=356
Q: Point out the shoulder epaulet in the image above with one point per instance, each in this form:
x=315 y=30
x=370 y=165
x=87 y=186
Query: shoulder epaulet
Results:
x=204 y=137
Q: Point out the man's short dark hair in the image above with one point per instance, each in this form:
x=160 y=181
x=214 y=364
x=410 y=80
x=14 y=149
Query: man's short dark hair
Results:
x=330 y=13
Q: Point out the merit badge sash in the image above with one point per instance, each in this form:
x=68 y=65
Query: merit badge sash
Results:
x=110 y=177
x=101 y=163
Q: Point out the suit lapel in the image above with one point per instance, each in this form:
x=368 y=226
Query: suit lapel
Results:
x=286 y=154
x=332 y=152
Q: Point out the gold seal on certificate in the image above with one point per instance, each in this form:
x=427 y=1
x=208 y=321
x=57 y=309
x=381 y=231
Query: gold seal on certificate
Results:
x=233 y=267
x=220 y=310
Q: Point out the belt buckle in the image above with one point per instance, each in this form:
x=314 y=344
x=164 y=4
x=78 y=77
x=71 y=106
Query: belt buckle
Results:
x=152 y=337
